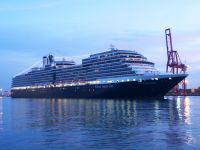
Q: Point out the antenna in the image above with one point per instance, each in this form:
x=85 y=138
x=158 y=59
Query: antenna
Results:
x=112 y=47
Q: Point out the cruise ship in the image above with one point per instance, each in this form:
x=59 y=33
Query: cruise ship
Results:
x=110 y=74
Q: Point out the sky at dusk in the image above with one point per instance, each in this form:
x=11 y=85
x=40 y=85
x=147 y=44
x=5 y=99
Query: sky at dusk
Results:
x=31 y=29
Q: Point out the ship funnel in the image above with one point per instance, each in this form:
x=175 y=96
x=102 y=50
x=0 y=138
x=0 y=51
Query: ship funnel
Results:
x=45 y=61
x=51 y=59
x=48 y=61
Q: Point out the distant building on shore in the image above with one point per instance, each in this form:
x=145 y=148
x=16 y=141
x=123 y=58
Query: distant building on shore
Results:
x=196 y=91
x=4 y=93
x=189 y=92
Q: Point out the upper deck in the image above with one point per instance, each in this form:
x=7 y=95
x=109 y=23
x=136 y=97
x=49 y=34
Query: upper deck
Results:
x=108 y=64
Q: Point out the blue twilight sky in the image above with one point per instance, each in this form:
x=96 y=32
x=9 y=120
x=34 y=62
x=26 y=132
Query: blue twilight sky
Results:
x=31 y=29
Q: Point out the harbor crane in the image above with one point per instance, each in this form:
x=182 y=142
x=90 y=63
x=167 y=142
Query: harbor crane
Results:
x=174 y=64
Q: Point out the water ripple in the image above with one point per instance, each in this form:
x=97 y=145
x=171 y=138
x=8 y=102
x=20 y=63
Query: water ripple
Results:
x=100 y=124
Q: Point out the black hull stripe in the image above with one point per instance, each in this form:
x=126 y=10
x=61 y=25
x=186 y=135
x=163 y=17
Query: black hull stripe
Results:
x=147 y=88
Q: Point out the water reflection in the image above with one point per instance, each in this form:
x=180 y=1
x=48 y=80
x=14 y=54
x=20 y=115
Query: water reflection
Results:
x=179 y=121
x=187 y=110
x=183 y=108
x=1 y=114
x=110 y=122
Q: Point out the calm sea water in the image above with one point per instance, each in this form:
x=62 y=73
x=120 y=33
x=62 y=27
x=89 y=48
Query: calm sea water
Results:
x=41 y=124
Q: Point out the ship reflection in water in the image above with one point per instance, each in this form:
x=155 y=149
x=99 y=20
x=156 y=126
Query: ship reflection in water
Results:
x=101 y=124
x=1 y=115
